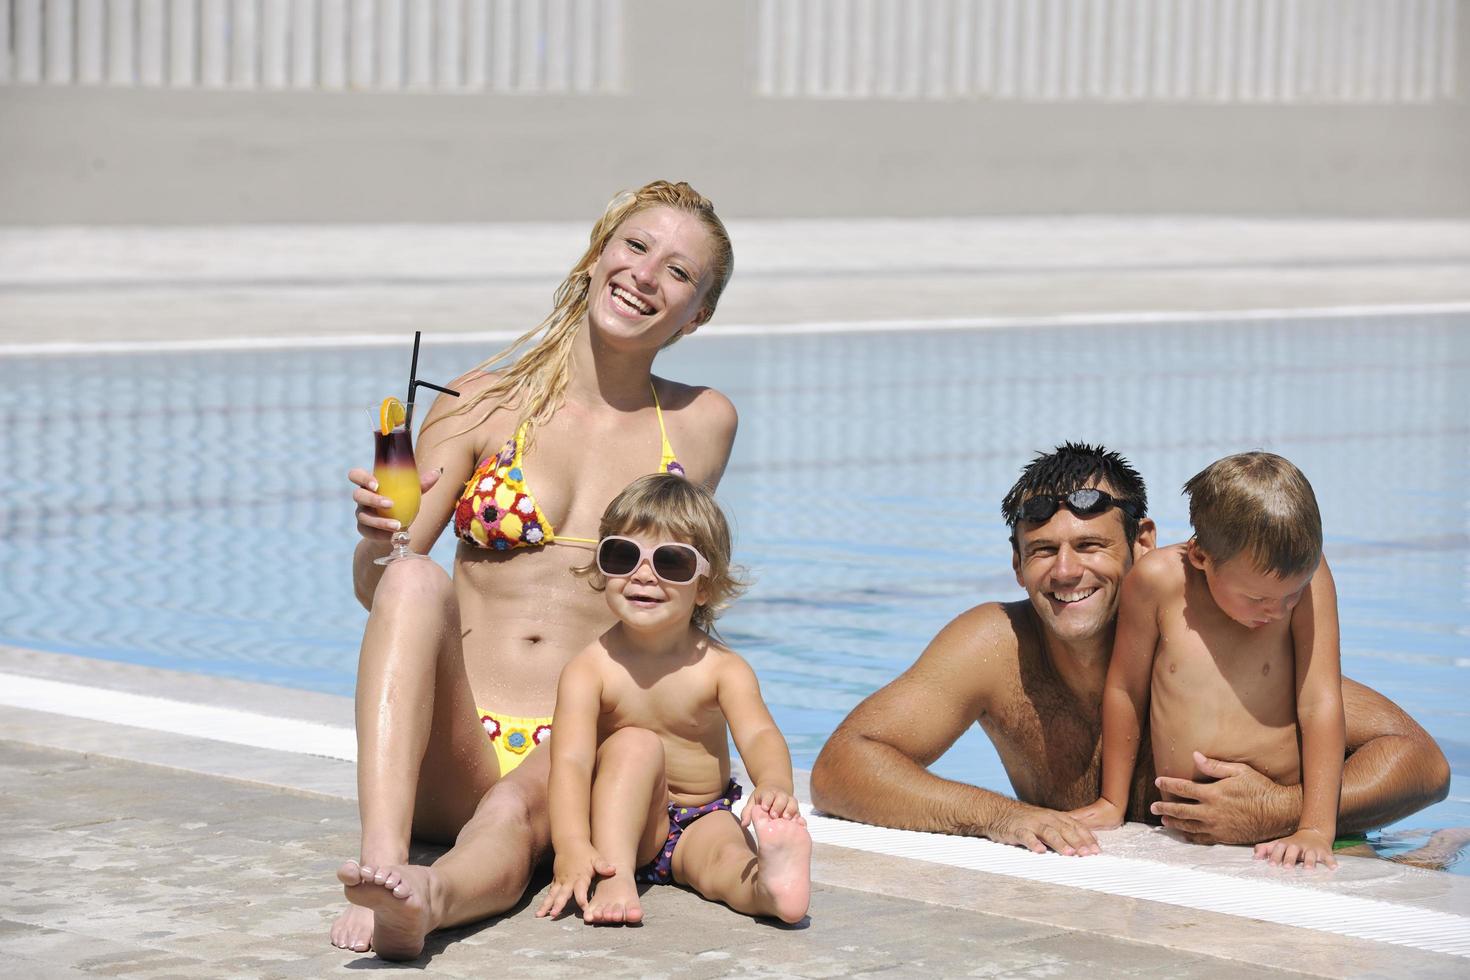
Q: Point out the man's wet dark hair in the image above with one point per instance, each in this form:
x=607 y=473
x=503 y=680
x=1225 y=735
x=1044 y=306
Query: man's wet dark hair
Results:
x=1072 y=466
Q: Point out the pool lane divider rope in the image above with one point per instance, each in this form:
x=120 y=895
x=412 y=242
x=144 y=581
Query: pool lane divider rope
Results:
x=1297 y=904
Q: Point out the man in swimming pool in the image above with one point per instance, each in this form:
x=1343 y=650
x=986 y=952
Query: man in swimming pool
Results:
x=1031 y=674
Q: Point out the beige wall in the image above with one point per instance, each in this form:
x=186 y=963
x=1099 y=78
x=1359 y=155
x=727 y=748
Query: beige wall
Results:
x=72 y=154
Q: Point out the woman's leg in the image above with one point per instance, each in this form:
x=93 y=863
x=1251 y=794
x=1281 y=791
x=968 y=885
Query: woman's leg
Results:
x=718 y=859
x=485 y=873
x=424 y=763
x=630 y=819
x=495 y=854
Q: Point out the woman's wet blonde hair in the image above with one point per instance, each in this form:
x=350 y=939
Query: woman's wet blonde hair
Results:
x=534 y=383
x=669 y=504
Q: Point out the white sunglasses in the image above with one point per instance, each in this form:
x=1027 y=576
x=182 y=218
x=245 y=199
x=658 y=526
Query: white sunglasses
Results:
x=672 y=561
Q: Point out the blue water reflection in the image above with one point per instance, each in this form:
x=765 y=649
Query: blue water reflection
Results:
x=190 y=510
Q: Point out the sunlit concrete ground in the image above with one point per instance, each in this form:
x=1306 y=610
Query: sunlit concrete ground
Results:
x=136 y=284
x=134 y=871
x=133 y=852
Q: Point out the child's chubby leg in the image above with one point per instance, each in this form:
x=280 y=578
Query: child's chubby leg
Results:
x=718 y=859
x=630 y=820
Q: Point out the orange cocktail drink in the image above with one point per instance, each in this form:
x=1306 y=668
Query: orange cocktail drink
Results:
x=397 y=474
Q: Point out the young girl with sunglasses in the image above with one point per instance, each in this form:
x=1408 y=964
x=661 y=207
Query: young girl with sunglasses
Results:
x=640 y=762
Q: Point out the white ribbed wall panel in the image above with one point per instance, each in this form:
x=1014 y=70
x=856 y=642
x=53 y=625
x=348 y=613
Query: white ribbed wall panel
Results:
x=213 y=33
x=361 y=50
x=57 y=27
x=275 y=34
x=1212 y=51
x=244 y=43
x=152 y=41
x=91 y=47
x=522 y=46
x=418 y=26
x=122 y=41
x=7 y=61
x=183 y=52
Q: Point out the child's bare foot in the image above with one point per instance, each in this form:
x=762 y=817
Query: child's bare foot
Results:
x=353 y=929
x=399 y=900
x=614 y=902
x=785 y=862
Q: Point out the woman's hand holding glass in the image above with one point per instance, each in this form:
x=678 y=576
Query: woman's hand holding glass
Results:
x=372 y=504
x=395 y=487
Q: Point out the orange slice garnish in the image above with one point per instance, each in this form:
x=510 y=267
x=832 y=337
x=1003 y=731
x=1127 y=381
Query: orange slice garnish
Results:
x=391 y=415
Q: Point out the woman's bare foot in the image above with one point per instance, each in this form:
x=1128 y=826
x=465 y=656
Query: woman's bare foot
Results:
x=614 y=902
x=353 y=929
x=399 y=899
x=784 y=859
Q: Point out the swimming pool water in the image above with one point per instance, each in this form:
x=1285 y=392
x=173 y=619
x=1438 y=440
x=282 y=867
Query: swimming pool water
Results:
x=190 y=510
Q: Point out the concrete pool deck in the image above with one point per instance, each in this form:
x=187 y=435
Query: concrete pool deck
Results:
x=75 y=288
x=152 y=853
x=146 y=853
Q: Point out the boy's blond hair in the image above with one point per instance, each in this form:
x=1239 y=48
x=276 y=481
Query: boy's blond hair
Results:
x=666 y=503
x=1258 y=504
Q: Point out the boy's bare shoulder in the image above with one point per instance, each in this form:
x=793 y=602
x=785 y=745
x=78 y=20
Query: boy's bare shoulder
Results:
x=1161 y=571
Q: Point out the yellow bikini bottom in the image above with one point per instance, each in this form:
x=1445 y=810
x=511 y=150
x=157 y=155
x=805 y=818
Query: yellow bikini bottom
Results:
x=513 y=737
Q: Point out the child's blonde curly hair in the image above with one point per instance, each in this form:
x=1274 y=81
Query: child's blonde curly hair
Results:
x=666 y=503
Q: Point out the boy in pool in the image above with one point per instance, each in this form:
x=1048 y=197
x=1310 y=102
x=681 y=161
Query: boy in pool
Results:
x=640 y=764
x=1230 y=641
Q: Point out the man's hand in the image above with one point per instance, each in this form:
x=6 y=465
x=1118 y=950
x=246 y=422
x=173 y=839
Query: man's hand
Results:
x=1039 y=830
x=1241 y=806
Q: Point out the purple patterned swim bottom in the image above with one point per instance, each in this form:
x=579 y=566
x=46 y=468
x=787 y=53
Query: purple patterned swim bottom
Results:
x=660 y=871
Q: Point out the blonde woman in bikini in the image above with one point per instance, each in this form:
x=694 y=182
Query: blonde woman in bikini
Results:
x=457 y=677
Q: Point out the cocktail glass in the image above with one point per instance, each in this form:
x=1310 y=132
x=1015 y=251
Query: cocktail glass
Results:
x=398 y=479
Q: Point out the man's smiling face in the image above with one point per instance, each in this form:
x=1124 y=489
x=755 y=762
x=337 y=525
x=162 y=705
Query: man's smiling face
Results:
x=1072 y=569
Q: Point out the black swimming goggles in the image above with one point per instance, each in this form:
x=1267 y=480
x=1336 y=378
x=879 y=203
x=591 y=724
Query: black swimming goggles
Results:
x=1083 y=503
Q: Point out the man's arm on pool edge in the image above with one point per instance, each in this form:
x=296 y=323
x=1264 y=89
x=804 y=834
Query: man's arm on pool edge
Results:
x=1393 y=769
x=873 y=768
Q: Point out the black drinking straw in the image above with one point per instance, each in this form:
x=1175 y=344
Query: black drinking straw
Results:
x=413 y=370
x=414 y=384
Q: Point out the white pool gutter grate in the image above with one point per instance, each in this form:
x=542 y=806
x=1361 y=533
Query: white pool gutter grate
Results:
x=1298 y=905
x=178 y=717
